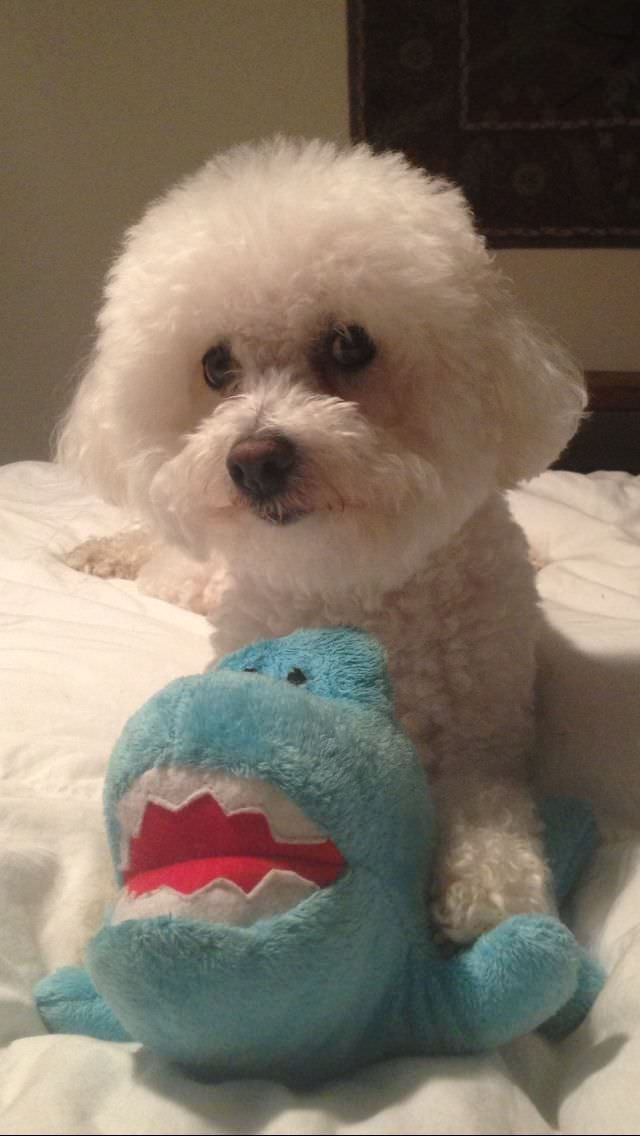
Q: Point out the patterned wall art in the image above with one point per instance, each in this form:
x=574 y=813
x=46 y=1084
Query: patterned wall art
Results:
x=533 y=106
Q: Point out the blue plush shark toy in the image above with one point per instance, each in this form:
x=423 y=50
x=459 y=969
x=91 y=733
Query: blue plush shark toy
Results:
x=272 y=834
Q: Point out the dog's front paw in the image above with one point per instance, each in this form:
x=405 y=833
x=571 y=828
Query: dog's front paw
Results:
x=467 y=906
x=121 y=555
x=463 y=910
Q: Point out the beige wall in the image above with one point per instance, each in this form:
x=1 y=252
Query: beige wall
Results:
x=590 y=297
x=105 y=102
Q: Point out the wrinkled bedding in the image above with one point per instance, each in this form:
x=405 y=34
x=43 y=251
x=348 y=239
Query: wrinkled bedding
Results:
x=78 y=655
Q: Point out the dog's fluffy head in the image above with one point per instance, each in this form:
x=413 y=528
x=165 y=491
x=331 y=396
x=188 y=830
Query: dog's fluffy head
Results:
x=280 y=258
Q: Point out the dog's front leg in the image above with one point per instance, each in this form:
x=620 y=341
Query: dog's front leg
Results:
x=491 y=862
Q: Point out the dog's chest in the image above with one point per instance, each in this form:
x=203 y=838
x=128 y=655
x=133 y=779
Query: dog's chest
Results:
x=458 y=636
x=430 y=647
x=428 y=643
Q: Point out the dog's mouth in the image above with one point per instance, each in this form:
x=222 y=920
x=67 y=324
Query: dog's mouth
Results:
x=283 y=512
x=280 y=515
x=207 y=845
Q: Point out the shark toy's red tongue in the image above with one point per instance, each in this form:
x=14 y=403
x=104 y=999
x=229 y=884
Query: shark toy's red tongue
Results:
x=188 y=847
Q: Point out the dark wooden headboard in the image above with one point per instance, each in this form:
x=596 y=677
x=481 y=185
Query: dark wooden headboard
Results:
x=609 y=438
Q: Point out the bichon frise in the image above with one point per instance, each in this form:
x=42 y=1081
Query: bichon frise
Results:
x=312 y=385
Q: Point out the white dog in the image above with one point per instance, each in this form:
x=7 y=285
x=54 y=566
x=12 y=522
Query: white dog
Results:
x=310 y=379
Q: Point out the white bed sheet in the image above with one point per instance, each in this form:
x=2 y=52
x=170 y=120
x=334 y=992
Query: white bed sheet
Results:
x=78 y=655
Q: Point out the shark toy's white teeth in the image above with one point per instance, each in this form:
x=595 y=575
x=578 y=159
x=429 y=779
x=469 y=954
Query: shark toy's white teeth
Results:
x=207 y=845
x=175 y=787
x=219 y=902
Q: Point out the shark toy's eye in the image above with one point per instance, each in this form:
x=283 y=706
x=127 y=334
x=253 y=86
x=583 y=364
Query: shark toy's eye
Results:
x=250 y=670
x=296 y=676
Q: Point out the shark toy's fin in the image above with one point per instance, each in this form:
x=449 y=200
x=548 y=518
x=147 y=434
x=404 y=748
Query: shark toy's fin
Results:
x=68 y=1002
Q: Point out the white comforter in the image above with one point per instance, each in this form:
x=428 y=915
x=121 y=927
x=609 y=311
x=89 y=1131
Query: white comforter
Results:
x=78 y=655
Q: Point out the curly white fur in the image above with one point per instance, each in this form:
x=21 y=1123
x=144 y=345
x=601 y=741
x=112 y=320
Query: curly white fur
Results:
x=403 y=527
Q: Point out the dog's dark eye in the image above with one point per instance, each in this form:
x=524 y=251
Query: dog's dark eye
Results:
x=296 y=676
x=218 y=366
x=349 y=347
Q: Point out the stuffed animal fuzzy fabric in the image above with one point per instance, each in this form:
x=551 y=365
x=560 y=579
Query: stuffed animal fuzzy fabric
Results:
x=271 y=829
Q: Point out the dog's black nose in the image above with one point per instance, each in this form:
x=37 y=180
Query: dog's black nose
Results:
x=261 y=467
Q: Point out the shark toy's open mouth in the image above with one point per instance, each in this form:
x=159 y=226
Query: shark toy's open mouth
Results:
x=204 y=844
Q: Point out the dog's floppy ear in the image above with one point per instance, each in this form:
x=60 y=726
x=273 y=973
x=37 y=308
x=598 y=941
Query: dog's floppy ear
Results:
x=87 y=438
x=539 y=395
